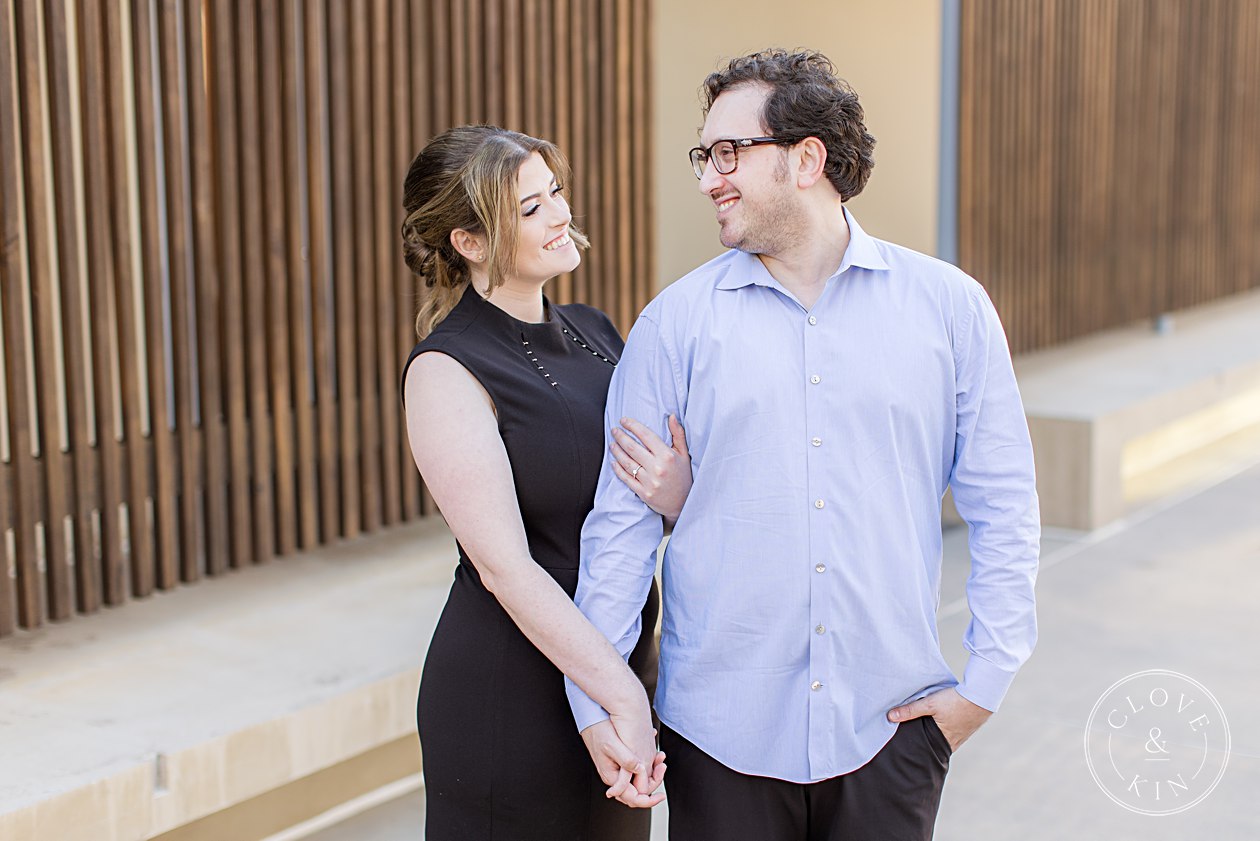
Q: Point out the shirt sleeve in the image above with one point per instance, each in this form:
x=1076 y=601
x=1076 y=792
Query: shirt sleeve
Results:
x=621 y=534
x=995 y=492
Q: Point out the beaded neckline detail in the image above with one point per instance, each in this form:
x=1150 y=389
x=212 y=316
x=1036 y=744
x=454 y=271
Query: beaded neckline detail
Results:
x=588 y=347
x=542 y=369
x=529 y=351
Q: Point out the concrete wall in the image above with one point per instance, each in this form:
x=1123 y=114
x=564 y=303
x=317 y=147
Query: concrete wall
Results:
x=889 y=51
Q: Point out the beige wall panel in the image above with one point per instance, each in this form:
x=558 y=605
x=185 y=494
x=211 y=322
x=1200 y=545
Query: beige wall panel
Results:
x=890 y=52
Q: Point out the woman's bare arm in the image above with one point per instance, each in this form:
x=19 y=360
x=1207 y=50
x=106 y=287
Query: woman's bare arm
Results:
x=457 y=447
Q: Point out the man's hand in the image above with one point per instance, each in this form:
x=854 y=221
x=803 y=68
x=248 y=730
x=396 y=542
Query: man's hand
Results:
x=957 y=717
x=627 y=777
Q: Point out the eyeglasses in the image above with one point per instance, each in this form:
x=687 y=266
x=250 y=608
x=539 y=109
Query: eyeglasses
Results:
x=725 y=153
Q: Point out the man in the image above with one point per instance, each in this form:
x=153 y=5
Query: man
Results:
x=832 y=386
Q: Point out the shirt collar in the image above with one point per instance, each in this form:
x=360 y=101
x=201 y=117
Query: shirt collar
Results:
x=862 y=253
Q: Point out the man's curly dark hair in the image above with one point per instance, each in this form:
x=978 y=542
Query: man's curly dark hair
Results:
x=806 y=99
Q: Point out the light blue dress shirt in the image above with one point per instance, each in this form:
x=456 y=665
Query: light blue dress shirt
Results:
x=802 y=580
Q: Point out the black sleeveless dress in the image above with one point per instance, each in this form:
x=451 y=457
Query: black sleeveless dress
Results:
x=502 y=756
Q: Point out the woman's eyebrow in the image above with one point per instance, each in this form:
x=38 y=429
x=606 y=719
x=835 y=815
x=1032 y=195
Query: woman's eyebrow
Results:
x=533 y=196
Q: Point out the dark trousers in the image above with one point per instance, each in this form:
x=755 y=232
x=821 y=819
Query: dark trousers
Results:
x=894 y=797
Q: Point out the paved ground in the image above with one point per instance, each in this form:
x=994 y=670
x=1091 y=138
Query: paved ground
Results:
x=1174 y=586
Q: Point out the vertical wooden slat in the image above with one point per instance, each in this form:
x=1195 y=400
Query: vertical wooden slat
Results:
x=622 y=228
x=228 y=228
x=605 y=282
x=1006 y=114
x=643 y=241
x=534 y=81
x=511 y=82
x=126 y=296
x=598 y=178
x=454 y=13
x=52 y=340
x=437 y=39
x=343 y=199
x=20 y=607
x=254 y=278
x=487 y=44
x=967 y=83
x=582 y=144
x=1158 y=84
x=173 y=66
x=1242 y=175
x=382 y=382
x=1131 y=160
x=100 y=286
x=1196 y=154
x=1168 y=81
x=296 y=226
x=369 y=441
x=150 y=177
x=1073 y=59
x=411 y=85
x=558 y=25
x=1103 y=176
x=1043 y=174
x=207 y=296
x=324 y=337
x=474 y=64
x=276 y=272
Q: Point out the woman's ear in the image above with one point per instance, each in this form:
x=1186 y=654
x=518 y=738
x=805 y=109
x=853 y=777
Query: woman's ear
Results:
x=472 y=247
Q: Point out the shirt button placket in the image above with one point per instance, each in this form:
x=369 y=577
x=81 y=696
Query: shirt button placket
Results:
x=815 y=414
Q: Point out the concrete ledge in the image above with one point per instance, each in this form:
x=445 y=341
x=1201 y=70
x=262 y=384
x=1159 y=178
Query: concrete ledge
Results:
x=335 y=794
x=136 y=722
x=1105 y=408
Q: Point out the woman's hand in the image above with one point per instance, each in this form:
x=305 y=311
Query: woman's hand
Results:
x=631 y=778
x=658 y=473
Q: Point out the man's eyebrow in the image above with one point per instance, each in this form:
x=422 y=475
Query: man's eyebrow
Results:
x=533 y=196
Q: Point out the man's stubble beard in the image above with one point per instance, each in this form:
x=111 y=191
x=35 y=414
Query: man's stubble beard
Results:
x=774 y=225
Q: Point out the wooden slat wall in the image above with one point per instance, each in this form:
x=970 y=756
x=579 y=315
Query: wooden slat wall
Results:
x=204 y=305
x=1109 y=166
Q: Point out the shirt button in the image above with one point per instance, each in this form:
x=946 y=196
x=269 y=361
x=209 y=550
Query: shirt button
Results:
x=821 y=629
x=817 y=442
x=815 y=379
x=820 y=568
x=818 y=503
x=813 y=320
x=816 y=685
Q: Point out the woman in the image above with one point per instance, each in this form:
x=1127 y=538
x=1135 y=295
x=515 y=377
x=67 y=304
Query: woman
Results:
x=505 y=396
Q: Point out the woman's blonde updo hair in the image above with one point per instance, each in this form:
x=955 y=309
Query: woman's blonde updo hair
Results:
x=465 y=178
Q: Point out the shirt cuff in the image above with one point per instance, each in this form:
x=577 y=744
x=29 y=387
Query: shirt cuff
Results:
x=984 y=684
x=585 y=711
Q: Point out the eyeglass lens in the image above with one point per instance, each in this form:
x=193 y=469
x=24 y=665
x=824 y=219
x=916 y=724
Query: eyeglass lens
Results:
x=723 y=154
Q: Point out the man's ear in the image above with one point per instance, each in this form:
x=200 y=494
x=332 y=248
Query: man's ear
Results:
x=471 y=246
x=811 y=159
